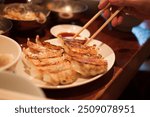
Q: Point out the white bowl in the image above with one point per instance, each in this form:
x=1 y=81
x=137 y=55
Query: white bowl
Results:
x=68 y=28
x=10 y=47
x=13 y=82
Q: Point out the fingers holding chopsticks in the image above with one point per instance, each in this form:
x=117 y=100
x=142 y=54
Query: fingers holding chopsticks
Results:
x=117 y=20
x=101 y=5
x=137 y=8
x=105 y=23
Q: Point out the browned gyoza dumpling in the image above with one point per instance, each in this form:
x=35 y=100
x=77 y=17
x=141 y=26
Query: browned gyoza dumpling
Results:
x=85 y=59
x=49 y=63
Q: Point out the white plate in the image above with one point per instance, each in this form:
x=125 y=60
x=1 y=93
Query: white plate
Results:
x=10 y=47
x=104 y=50
x=68 y=28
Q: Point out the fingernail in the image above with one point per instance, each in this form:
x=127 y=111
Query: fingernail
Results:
x=102 y=4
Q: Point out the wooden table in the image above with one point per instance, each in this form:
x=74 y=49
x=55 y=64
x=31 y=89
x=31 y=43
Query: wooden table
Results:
x=129 y=56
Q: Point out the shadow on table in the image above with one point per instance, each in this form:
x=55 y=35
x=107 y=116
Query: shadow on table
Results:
x=139 y=87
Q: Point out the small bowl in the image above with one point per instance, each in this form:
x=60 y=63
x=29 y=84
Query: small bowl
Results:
x=25 y=16
x=17 y=83
x=67 y=10
x=10 y=53
x=5 y=26
x=68 y=30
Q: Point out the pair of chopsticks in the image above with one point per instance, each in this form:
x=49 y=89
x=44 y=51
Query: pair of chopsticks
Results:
x=13 y=95
x=102 y=27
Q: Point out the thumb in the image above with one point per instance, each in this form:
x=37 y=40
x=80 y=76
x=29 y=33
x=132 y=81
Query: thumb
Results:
x=102 y=4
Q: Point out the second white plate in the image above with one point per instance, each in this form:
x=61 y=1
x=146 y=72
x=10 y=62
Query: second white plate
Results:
x=68 y=28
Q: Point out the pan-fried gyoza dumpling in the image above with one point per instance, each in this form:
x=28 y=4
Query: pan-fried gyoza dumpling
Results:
x=85 y=59
x=48 y=63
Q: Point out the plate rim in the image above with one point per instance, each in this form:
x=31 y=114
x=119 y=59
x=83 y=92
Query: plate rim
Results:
x=78 y=84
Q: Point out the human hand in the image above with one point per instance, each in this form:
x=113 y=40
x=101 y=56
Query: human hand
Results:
x=138 y=8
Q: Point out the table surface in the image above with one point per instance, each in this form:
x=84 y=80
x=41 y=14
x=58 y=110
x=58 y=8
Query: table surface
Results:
x=129 y=56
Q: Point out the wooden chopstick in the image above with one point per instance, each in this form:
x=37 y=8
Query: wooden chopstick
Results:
x=13 y=95
x=91 y=20
x=103 y=26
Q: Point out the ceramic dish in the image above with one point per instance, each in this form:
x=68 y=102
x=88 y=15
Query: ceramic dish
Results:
x=10 y=81
x=10 y=53
x=25 y=16
x=66 y=10
x=104 y=50
x=68 y=28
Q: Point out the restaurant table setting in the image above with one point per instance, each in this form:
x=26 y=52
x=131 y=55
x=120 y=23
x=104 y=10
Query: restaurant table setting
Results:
x=74 y=58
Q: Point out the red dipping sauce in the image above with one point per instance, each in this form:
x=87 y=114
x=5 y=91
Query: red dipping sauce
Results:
x=66 y=34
